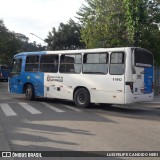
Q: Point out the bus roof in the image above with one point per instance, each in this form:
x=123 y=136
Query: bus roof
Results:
x=75 y=51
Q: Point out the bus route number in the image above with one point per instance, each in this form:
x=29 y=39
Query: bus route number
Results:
x=117 y=79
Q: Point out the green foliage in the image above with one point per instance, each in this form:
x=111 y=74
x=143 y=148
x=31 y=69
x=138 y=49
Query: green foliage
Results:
x=142 y=23
x=103 y=23
x=66 y=37
x=136 y=20
x=25 y=46
x=8 y=44
x=12 y=43
x=114 y=23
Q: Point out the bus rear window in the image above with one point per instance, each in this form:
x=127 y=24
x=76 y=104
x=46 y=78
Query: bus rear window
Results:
x=143 y=58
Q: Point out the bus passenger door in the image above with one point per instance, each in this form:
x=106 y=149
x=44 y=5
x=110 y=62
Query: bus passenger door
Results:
x=15 y=83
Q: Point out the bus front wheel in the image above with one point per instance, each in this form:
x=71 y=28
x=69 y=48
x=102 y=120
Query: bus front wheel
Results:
x=82 y=97
x=29 y=92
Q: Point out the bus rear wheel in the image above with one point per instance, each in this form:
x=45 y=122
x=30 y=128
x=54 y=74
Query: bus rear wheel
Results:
x=29 y=92
x=82 y=97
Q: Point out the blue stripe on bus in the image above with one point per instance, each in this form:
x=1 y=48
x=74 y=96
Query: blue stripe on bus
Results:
x=148 y=79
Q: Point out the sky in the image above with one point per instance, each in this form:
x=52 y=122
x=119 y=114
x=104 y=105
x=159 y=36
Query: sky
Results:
x=37 y=16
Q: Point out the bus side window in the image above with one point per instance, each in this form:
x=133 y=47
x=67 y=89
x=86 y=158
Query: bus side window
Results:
x=49 y=63
x=70 y=63
x=117 y=63
x=32 y=63
x=95 y=63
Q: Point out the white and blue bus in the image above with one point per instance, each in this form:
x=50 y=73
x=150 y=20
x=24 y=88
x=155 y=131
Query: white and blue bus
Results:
x=105 y=75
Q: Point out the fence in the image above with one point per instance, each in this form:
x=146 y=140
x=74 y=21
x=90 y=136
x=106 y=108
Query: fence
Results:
x=157 y=81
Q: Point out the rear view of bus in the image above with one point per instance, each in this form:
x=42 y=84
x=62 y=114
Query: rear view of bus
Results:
x=142 y=84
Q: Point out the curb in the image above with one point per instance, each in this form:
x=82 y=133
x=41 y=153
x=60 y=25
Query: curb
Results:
x=150 y=103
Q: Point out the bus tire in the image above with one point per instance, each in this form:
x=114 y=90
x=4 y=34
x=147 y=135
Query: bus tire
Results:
x=29 y=92
x=82 y=97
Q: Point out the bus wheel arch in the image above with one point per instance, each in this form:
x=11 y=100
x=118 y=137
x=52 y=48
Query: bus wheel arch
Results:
x=81 y=96
x=29 y=92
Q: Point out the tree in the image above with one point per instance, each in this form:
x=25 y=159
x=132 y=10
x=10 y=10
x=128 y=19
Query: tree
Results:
x=141 y=18
x=103 y=23
x=8 y=44
x=3 y=32
x=25 y=46
x=136 y=20
x=66 y=37
x=152 y=35
x=12 y=43
x=142 y=22
x=114 y=23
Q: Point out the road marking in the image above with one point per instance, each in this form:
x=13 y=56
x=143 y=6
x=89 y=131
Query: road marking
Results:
x=8 y=111
x=72 y=108
x=30 y=108
x=52 y=107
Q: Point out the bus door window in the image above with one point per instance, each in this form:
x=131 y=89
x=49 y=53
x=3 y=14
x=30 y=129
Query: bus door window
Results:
x=117 y=63
x=49 y=63
x=32 y=63
x=95 y=63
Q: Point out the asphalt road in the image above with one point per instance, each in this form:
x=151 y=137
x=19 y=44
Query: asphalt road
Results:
x=58 y=125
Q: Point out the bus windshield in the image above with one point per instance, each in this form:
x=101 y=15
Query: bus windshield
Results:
x=16 y=67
